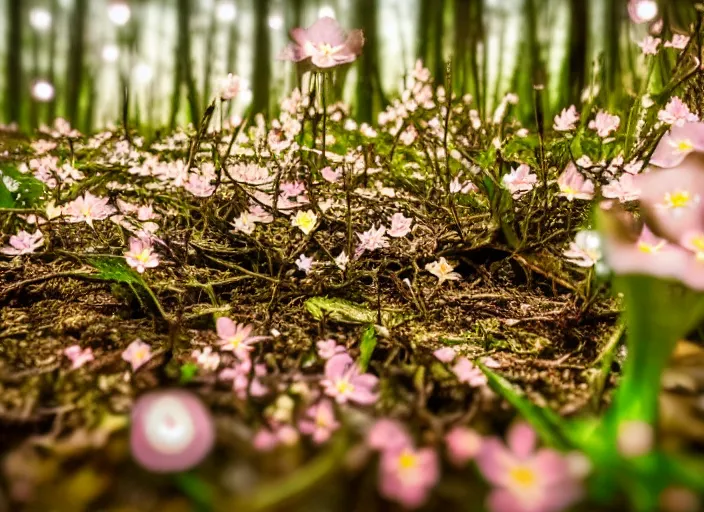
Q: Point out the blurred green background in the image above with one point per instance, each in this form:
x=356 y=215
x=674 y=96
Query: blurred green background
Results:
x=86 y=59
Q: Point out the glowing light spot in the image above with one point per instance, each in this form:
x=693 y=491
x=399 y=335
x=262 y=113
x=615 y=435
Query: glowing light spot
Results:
x=143 y=73
x=276 y=22
x=40 y=19
x=42 y=91
x=119 y=13
x=226 y=11
x=110 y=53
x=646 y=10
x=326 y=11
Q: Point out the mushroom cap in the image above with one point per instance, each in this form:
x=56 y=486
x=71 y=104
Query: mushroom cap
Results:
x=171 y=431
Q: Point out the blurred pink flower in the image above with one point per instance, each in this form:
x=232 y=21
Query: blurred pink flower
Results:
x=199 y=185
x=624 y=189
x=137 y=353
x=567 y=120
x=23 y=243
x=141 y=255
x=679 y=42
x=325 y=44
x=408 y=475
x=206 y=359
x=467 y=373
x=400 y=225
x=676 y=144
x=330 y=175
x=236 y=337
x=231 y=86
x=445 y=354
x=650 y=45
x=88 y=208
x=387 y=434
x=345 y=383
x=463 y=444
x=328 y=348
x=77 y=356
x=266 y=439
x=573 y=185
x=604 y=124
x=319 y=422
x=171 y=431
x=677 y=113
x=520 y=181
x=526 y=479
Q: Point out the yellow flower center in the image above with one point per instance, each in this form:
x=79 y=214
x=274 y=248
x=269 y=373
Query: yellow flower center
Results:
x=407 y=461
x=684 y=146
x=697 y=242
x=444 y=268
x=326 y=49
x=568 y=191
x=678 y=199
x=140 y=354
x=235 y=341
x=344 y=387
x=525 y=477
x=85 y=211
x=143 y=256
x=650 y=248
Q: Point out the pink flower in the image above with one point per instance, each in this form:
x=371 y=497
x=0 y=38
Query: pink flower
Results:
x=292 y=188
x=650 y=45
x=319 y=422
x=679 y=42
x=467 y=373
x=236 y=337
x=585 y=251
x=77 y=356
x=526 y=479
x=24 y=243
x=573 y=185
x=325 y=44
x=345 y=383
x=623 y=189
x=328 y=348
x=330 y=175
x=141 y=255
x=387 y=434
x=604 y=124
x=231 y=86
x=520 y=181
x=88 y=208
x=407 y=476
x=171 y=431
x=206 y=359
x=400 y=225
x=371 y=240
x=445 y=354
x=199 y=185
x=676 y=144
x=304 y=263
x=244 y=380
x=677 y=113
x=567 y=120
x=137 y=353
x=463 y=444
x=266 y=439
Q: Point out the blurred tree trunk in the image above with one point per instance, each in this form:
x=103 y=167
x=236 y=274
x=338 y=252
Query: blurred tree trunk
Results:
x=530 y=70
x=51 y=75
x=424 y=17
x=74 y=77
x=574 y=69
x=176 y=95
x=13 y=102
x=462 y=53
x=368 y=90
x=438 y=40
x=262 y=57
x=296 y=16
x=615 y=12
x=184 y=56
x=209 y=58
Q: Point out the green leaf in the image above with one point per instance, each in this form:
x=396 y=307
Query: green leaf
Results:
x=6 y=199
x=344 y=311
x=550 y=427
x=188 y=372
x=30 y=191
x=115 y=268
x=367 y=347
x=197 y=489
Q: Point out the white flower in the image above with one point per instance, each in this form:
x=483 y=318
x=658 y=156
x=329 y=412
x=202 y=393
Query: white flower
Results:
x=305 y=221
x=443 y=271
x=342 y=260
x=585 y=251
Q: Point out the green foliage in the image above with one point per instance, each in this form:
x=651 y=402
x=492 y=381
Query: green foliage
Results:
x=366 y=347
x=28 y=192
x=188 y=372
x=341 y=310
x=115 y=269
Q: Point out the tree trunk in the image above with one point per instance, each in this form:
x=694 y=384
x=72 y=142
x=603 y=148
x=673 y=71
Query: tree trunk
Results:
x=424 y=16
x=574 y=69
x=368 y=81
x=184 y=15
x=615 y=11
x=53 y=34
x=14 y=62
x=209 y=57
x=74 y=77
x=262 y=58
